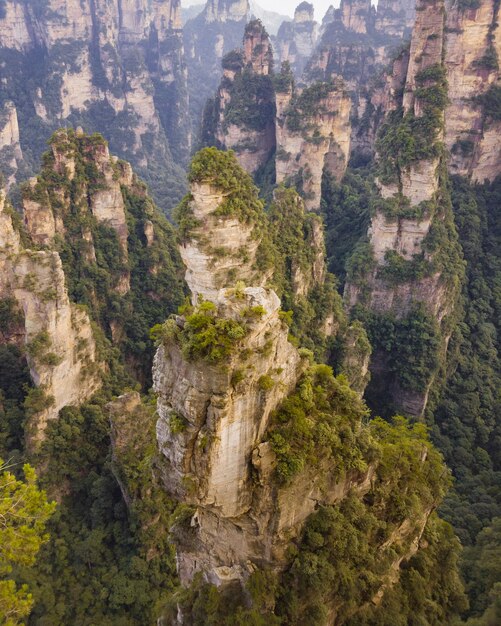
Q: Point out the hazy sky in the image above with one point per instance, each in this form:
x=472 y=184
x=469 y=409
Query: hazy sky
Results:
x=283 y=6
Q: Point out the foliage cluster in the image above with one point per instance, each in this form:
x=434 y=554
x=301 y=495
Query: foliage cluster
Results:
x=252 y=104
x=405 y=138
x=298 y=251
x=319 y=423
x=204 y=334
x=467 y=421
x=338 y=564
x=24 y=512
x=307 y=104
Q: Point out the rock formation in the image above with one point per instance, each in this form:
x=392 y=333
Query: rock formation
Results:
x=358 y=40
x=472 y=117
x=11 y=155
x=313 y=133
x=92 y=237
x=113 y=67
x=241 y=117
x=412 y=257
x=207 y=38
x=296 y=40
x=230 y=388
x=57 y=334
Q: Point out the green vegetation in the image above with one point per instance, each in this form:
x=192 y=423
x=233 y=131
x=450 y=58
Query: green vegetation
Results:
x=466 y=419
x=398 y=270
x=24 y=512
x=405 y=139
x=338 y=561
x=94 y=269
x=491 y=101
x=284 y=81
x=251 y=104
x=411 y=347
x=299 y=251
x=345 y=207
x=308 y=104
x=316 y=424
x=204 y=335
x=222 y=170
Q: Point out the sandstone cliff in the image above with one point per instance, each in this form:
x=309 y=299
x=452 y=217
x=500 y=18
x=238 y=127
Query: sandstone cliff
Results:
x=231 y=387
x=58 y=338
x=91 y=236
x=207 y=38
x=113 y=67
x=472 y=123
x=243 y=110
x=296 y=40
x=313 y=133
x=412 y=257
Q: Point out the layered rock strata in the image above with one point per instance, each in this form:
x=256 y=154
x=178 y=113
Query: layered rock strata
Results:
x=113 y=67
x=221 y=249
x=244 y=104
x=296 y=40
x=208 y=37
x=313 y=133
x=405 y=266
x=472 y=127
x=58 y=338
x=215 y=407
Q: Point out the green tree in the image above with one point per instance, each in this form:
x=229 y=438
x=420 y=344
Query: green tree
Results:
x=24 y=511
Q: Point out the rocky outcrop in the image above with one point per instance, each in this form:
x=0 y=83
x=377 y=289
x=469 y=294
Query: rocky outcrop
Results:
x=58 y=338
x=406 y=265
x=243 y=111
x=472 y=52
x=221 y=249
x=296 y=40
x=313 y=133
x=223 y=422
x=216 y=395
x=113 y=67
x=395 y=18
x=11 y=155
x=47 y=209
x=208 y=37
x=358 y=40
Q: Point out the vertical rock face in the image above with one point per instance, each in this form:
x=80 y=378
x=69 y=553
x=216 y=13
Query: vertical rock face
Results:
x=58 y=336
x=242 y=114
x=215 y=402
x=114 y=67
x=226 y=10
x=223 y=423
x=473 y=50
x=221 y=249
x=207 y=38
x=357 y=40
x=395 y=17
x=45 y=214
x=222 y=368
x=313 y=133
x=296 y=40
x=412 y=258
x=356 y=15
x=11 y=154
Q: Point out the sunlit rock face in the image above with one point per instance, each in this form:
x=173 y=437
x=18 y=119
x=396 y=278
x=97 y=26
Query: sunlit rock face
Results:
x=57 y=334
x=471 y=132
x=310 y=140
